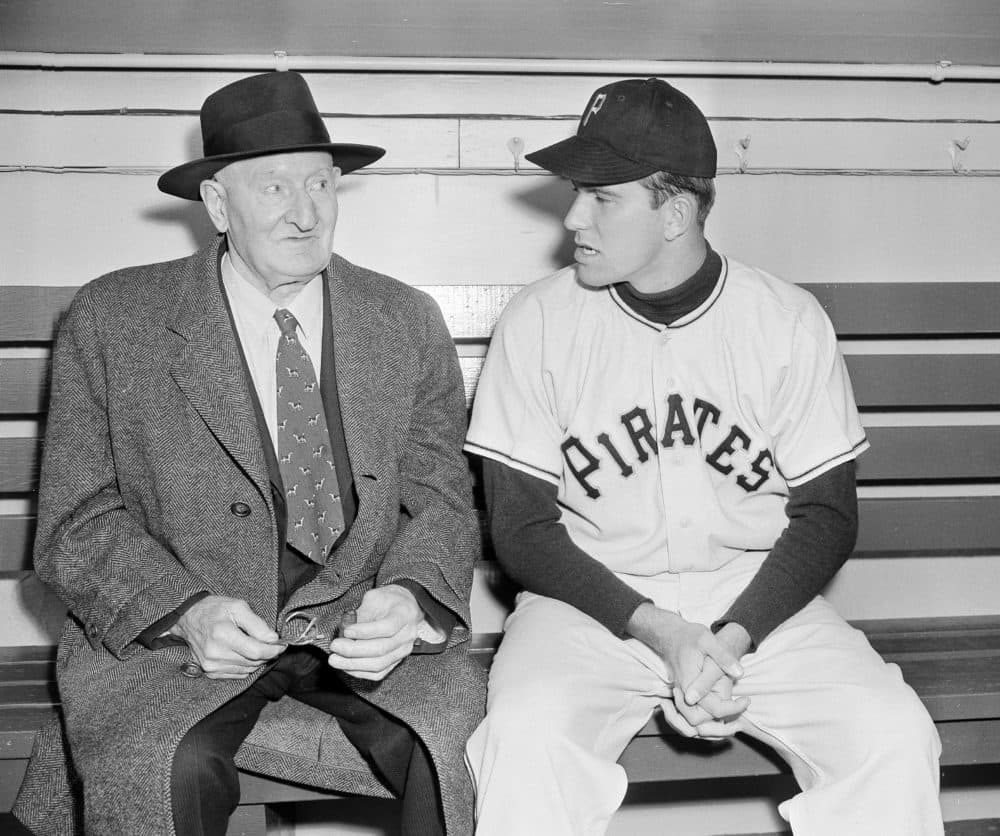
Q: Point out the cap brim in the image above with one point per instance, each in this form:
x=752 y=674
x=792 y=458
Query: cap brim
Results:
x=185 y=180
x=587 y=161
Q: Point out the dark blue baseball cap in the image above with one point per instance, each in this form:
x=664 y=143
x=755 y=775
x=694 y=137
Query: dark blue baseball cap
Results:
x=629 y=130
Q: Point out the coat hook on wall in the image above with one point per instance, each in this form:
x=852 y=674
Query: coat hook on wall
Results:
x=955 y=149
x=516 y=147
x=741 y=146
x=280 y=60
x=940 y=71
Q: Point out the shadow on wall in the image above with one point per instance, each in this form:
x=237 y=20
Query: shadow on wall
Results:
x=178 y=212
x=549 y=198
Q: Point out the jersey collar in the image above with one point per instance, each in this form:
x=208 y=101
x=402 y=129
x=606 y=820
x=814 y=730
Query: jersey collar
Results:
x=681 y=321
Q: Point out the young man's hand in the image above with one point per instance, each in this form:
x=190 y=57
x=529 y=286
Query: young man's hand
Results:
x=703 y=666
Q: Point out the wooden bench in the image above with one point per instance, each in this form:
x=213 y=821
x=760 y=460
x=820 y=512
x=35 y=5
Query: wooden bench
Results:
x=913 y=505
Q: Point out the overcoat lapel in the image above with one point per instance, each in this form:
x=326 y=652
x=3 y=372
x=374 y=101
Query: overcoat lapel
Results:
x=208 y=370
x=354 y=332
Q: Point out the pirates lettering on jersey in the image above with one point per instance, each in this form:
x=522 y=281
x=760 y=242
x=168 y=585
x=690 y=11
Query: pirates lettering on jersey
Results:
x=683 y=427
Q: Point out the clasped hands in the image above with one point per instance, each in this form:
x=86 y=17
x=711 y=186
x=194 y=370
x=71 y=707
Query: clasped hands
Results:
x=704 y=668
x=230 y=641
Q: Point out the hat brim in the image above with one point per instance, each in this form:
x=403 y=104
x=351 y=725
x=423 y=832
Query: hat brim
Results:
x=590 y=162
x=185 y=180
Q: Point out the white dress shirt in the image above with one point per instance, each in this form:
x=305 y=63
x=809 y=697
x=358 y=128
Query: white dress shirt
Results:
x=258 y=333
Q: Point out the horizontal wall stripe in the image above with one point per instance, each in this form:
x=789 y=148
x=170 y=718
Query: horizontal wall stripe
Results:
x=160 y=141
x=124 y=141
x=787 y=146
x=377 y=94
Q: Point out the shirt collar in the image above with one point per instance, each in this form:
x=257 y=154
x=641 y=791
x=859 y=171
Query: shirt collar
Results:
x=306 y=307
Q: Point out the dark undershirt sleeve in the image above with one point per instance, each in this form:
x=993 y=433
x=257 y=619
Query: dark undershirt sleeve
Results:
x=153 y=636
x=822 y=529
x=536 y=551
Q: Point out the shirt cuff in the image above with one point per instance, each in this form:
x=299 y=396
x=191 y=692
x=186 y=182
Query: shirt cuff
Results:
x=153 y=637
x=436 y=615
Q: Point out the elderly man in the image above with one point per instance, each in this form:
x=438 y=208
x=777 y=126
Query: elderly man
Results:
x=255 y=506
x=669 y=440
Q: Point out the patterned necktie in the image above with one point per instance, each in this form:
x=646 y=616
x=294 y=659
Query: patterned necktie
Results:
x=312 y=493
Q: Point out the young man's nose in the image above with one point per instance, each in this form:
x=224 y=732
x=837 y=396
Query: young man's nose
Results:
x=578 y=216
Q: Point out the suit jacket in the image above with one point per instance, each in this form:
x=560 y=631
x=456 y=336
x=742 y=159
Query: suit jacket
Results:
x=151 y=457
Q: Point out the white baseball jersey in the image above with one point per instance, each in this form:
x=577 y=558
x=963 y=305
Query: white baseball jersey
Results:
x=672 y=447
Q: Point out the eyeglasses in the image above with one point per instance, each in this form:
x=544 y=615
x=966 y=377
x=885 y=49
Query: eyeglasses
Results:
x=292 y=634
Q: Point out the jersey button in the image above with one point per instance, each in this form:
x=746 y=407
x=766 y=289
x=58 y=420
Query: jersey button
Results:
x=671 y=382
x=677 y=461
x=685 y=522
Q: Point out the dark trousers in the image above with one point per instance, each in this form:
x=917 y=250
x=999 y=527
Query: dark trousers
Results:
x=205 y=784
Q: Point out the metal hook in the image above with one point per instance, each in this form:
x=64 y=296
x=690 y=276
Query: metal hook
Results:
x=516 y=147
x=940 y=71
x=955 y=148
x=741 y=146
x=280 y=60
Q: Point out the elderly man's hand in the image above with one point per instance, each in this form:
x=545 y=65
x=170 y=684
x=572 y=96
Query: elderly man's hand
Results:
x=227 y=638
x=388 y=620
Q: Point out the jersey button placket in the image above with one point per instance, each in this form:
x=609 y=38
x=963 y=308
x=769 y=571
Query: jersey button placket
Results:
x=663 y=383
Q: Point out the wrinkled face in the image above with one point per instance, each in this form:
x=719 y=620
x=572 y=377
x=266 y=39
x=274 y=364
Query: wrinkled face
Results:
x=279 y=213
x=619 y=236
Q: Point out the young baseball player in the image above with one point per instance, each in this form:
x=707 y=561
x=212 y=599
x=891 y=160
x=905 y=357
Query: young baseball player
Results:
x=668 y=440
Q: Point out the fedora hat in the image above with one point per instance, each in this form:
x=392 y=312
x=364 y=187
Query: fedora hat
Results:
x=271 y=113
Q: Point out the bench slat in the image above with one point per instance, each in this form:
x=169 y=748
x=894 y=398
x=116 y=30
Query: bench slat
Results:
x=24 y=384
x=884 y=309
x=923 y=454
x=904 y=454
x=883 y=381
x=911 y=309
x=902 y=527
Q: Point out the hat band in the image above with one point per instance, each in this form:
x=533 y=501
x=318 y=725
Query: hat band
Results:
x=279 y=129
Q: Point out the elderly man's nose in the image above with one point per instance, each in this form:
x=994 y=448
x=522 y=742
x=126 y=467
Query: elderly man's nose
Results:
x=302 y=211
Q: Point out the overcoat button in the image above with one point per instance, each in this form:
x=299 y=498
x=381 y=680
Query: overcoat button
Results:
x=92 y=631
x=240 y=509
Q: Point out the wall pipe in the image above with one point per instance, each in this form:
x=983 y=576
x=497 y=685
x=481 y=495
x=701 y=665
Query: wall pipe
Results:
x=938 y=72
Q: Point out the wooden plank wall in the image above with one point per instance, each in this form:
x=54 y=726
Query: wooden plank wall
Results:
x=821 y=181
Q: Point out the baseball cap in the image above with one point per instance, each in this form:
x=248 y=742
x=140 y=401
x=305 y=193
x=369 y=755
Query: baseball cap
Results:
x=629 y=130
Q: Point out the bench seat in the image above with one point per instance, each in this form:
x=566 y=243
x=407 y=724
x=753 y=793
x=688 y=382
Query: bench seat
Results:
x=952 y=663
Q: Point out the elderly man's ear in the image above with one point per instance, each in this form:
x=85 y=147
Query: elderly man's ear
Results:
x=213 y=195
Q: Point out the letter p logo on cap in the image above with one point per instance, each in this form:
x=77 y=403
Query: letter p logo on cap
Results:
x=595 y=106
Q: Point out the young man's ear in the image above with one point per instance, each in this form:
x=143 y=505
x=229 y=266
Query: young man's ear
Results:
x=213 y=195
x=680 y=213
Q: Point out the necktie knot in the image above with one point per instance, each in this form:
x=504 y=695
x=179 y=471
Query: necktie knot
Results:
x=286 y=321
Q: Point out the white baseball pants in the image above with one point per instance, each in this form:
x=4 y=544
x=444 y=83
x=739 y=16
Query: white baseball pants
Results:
x=566 y=697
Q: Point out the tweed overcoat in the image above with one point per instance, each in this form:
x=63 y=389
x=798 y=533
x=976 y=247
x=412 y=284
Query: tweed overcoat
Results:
x=151 y=443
